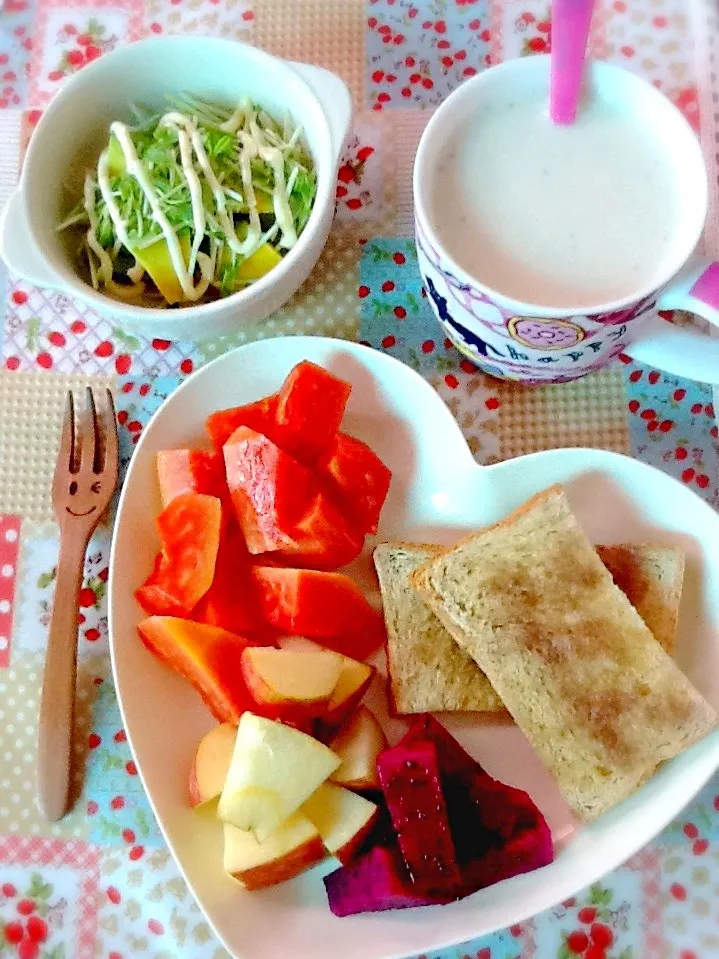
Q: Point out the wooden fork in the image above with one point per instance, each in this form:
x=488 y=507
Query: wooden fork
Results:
x=85 y=479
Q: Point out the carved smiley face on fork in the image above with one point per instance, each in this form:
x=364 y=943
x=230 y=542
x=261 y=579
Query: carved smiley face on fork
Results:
x=73 y=490
x=86 y=470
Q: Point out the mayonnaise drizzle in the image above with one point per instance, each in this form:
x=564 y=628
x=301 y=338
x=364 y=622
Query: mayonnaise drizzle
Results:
x=252 y=143
x=242 y=247
x=182 y=125
x=283 y=214
x=134 y=166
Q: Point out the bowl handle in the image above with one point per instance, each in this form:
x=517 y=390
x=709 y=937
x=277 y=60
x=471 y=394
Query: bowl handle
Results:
x=334 y=96
x=17 y=247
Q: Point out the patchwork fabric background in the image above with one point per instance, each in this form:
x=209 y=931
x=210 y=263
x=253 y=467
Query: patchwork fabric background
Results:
x=101 y=883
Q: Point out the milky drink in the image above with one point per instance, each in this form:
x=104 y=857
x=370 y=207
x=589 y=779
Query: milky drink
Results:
x=553 y=215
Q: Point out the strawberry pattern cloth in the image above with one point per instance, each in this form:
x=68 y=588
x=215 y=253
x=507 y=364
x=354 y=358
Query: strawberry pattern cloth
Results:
x=101 y=883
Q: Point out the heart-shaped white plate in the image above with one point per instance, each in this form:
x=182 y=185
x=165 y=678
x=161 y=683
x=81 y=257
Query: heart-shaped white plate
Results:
x=438 y=492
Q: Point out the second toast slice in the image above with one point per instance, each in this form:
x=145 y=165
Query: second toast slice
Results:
x=430 y=672
x=597 y=696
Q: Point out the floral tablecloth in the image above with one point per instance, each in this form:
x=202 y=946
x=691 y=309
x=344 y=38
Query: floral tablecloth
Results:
x=101 y=883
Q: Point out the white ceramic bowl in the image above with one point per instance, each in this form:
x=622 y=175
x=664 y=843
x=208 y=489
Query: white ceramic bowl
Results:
x=74 y=129
x=438 y=492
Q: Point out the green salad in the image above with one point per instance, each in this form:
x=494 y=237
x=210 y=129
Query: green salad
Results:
x=192 y=204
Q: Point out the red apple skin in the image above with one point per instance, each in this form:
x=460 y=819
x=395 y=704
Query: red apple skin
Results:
x=352 y=848
x=333 y=716
x=307 y=724
x=287 y=867
x=193 y=787
x=263 y=695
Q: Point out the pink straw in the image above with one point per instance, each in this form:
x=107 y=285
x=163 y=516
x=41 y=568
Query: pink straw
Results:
x=570 y=30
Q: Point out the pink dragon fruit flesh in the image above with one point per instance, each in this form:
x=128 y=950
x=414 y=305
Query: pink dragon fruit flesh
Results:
x=413 y=792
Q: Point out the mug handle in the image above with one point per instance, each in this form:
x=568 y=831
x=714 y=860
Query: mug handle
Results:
x=334 y=96
x=681 y=350
x=17 y=247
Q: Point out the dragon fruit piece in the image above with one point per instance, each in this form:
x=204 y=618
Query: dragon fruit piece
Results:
x=459 y=830
x=375 y=882
x=498 y=831
x=412 y=786
x=453 y=759
x=503 y=810
x=529 y=849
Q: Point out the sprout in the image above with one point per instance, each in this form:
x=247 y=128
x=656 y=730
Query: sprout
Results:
x=201 y=170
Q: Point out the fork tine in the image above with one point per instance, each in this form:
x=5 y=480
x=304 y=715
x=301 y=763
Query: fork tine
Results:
x=88 y=434
x=66 y=454
x=109 y=435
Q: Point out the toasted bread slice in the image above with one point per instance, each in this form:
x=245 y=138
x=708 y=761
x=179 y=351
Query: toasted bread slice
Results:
x=430 y=672
x=652 y=579
x=597 y=696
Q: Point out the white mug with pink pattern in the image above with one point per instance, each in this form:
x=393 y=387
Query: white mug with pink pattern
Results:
x=532 y=342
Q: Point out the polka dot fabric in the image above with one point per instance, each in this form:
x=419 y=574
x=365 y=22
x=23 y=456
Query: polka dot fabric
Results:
x=100 y=884
x=9 y=550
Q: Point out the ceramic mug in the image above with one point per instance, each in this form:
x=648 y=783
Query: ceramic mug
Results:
x=535 y=344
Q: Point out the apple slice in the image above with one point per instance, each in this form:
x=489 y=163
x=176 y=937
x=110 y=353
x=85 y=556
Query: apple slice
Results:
x=293 y=847
x=354 y=680
x=358 y=744
x=343 y=819
x=211 y=762
x=274 y=769
x=291 y=683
